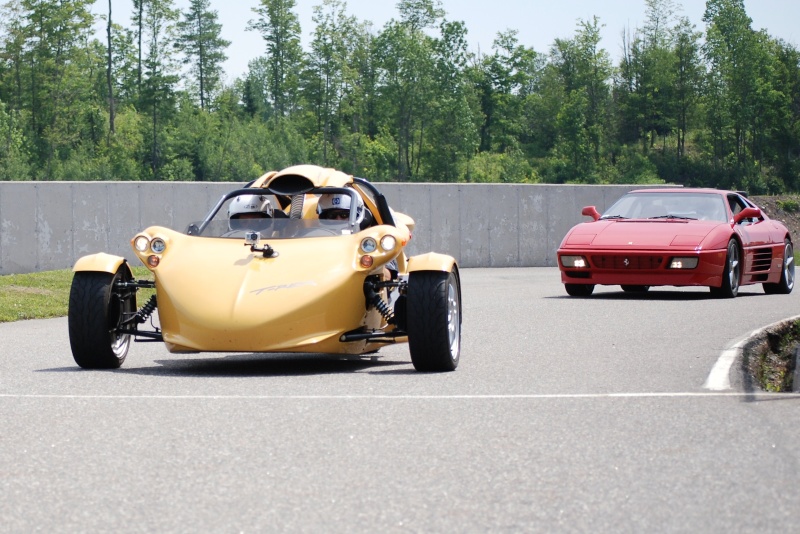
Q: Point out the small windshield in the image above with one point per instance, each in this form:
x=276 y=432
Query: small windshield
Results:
x=270 y=228
x=666 y=205
x=248 y=212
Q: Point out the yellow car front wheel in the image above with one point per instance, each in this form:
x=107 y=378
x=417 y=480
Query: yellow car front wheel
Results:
x=95 y=316
x=434 y=320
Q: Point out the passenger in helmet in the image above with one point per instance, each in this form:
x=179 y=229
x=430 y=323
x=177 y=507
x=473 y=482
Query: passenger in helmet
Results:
x=246 y=207
x=337 y=207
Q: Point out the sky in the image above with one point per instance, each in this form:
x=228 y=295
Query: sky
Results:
x=538 y=22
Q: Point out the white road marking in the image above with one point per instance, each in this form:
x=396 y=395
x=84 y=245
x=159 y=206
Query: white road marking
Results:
x=688 y=394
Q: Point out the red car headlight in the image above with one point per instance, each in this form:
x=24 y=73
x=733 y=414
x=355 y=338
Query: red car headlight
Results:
x=683 y=263
x=574 y=262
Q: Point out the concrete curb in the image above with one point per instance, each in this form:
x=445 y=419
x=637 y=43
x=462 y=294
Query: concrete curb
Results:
x=760 y=336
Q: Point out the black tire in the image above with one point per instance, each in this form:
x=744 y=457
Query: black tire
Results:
x=635 y=289
x=786 y=284
x=731 y=275
x=434 y=320
x=95 y=314
x=579 y=290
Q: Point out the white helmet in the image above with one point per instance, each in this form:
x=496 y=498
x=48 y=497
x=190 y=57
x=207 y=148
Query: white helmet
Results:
x=249 y=204
x=258 y=205
x=330 y=204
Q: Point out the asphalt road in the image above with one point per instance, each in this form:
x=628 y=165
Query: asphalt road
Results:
x=565 y=415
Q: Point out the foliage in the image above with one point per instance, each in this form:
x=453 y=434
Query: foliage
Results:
x=199 y=39
x=714 y=106
x=789 y=205
x=510 y=167
x=13 y=160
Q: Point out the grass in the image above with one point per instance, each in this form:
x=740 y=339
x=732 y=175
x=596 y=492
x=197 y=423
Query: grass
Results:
x=45 y=294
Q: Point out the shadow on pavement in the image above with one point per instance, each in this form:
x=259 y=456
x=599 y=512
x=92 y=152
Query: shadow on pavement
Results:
x=244 y=365
x=654 y=295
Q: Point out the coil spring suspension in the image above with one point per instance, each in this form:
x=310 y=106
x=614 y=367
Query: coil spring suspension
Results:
x=383 y=308
x=374 y=298
x=146 y=311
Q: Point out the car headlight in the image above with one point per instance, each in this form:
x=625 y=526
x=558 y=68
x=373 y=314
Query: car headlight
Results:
x=158 y=245
x=683 y=263
x=388 y=243
x=141 y=243
x=578 y=262
x=369 y=245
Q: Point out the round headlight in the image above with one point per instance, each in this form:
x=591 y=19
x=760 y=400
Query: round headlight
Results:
x=369 y=245
x=388 y=243
x=158 y=245
x=141 y=243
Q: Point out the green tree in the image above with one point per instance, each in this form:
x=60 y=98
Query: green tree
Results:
x=160 y=78
x=785 y=143
x=58 y=78
x=584 y=70
x=139 y=23
x=647 y=78
x=741 y=98
x=13 y=160
x=199 y=39
x=110 y=70
x=405 y=62
x=688 y=81
x=255 y=95
x=505 y=79
x=453 y=137
x=280 y=28
x=326 y=77
x=12 y=25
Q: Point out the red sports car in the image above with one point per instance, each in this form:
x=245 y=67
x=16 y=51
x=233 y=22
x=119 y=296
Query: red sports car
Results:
x=678 y=237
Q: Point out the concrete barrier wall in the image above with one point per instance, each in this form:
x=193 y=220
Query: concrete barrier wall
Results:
x=49 y=225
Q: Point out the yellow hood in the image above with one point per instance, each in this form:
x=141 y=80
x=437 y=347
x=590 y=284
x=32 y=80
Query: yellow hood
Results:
x=214 y=294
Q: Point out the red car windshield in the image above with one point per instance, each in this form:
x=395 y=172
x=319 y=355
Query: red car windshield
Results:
x=661 y=205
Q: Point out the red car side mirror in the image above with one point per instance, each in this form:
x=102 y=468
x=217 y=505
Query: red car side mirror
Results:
x=747 y=213
x=590 y=211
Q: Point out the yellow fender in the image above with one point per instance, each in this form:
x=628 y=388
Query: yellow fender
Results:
x=101 y=262
x=431 y=262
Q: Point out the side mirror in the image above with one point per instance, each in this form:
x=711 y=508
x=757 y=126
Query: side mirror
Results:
x=590 y=211
x=747 y=213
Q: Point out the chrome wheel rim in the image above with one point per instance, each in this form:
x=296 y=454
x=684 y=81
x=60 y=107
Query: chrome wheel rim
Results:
x=788 y=265
x=453 y=318
x=733 y=271
x=119 y=309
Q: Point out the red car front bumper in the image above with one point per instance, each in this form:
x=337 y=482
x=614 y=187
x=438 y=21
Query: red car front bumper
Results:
x=643 y=267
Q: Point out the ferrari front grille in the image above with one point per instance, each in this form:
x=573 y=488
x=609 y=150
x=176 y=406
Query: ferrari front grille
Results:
x=762 y=259
x=627 y=261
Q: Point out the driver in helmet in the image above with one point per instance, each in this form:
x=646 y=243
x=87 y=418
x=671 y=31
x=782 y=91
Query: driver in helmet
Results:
x=336 y=206
x=246 y=207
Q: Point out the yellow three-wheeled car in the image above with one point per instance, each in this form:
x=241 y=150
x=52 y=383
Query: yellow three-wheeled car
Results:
x=306 y=259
